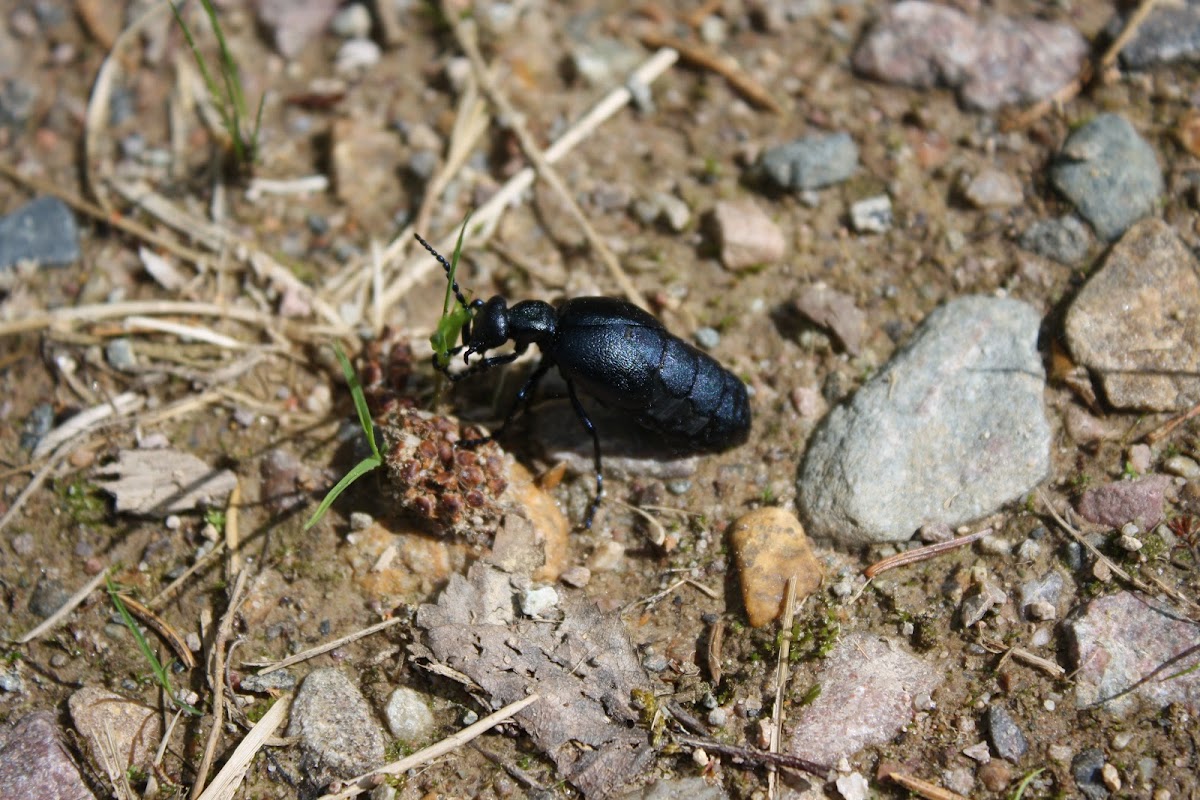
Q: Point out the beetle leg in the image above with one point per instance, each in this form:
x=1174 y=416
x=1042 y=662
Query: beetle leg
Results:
x=587 y=423
x=521 y=402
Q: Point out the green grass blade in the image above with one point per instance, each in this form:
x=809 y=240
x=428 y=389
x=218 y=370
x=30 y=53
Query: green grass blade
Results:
x=160 y=672
x=213 y=89
x=1028 y=779
x=360 y=401
x=361 y=468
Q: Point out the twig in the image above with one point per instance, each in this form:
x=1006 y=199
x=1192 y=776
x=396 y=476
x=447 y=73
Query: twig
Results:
x=325 y=648
x=99 y=311
x=309 y=184
x=66 y=608
x=216 y=682
x=1077 y=536
x=368 y=781
x=923 y=553
x=230 y=776
x=700 y=56
x=1162 y=432
x=1024 y=656
x=753 y=755
x=233 y=529
x=930 y=791
x=485 y=217
x=464 y=33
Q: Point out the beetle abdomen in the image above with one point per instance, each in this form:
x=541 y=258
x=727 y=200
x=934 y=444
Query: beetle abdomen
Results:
x=627 y=360
x=697 y=404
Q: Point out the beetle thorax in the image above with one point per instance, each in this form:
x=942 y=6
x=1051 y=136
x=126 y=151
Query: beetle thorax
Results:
x=532 y=322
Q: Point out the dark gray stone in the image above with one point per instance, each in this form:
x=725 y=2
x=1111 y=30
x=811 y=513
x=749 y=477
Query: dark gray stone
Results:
x=1086 y=767
x=43 y=231
x=34 y=763
x=811 y=162
x=1065 y=239
x=1006 y=737
x=1110 y=174
x=947 y=431
x=48 y=596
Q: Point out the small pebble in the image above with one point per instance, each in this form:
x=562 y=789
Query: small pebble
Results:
x=1111 y=777
x=708 y=338
x=1121 y=740
x=1183 y=467
x=470 y=717
x=536 y=602
x=119 y=354
x=1130 y=544
x=352 y=22
x=607 y=556
x=1029 y=550
x=356 y=55
x=360 y=520
x=718 y=717
x=746 y=236
x=1041 y=637
x=655 y=662
x=408 y=716
x=679 y=487
x=873 y=215
x=993 y=188
x=1042 y=610
x=578 y=577
x=995 y=776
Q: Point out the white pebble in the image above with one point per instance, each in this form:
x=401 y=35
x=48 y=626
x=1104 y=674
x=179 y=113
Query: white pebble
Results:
x=536 y=602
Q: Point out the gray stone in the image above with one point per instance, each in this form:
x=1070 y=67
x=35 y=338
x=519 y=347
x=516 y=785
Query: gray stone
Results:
x=872 y=215
x=339 y=737
x=1136 y=322
x=48 y=596
x=1000 y=61
x=1064 y=239
x=1005 y=735
x=408 y=716
x=869 y=690
x=1047 y=589
x=1086 y=768
x=1171 y=33
x=43 y=231
x=707 y=337
x=949 y=430
x=35 y=764
x=811 y=162
x=1110 y=174
x=696 y=788
x=292 y=24
x=993 y=188
x=1123 y=646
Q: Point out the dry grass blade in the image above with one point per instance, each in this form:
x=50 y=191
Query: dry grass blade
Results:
x=96 y=118
x=162 y=628
x=782 y=671
x=325 y=648
x=66 y=608
x=120 y=406
x=700 y=56
x=192 y=333
x=464 y=33
x=485 y=217
x=367 y=782
x=922 y=788
x=75 y=315
x=216 y=682
x=227 y=781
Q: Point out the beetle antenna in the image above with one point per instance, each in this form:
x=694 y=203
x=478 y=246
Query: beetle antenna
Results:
x=446 y=266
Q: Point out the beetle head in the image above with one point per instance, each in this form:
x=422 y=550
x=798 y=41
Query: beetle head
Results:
x=489 y=328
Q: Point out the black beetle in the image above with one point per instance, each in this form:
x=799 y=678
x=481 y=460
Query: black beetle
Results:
x=618 y=354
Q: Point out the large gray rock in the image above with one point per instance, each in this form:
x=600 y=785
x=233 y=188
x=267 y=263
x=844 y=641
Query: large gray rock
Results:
x=949 y=430
x=1110 y=174
x=1136 y=322
x=1125 y=647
